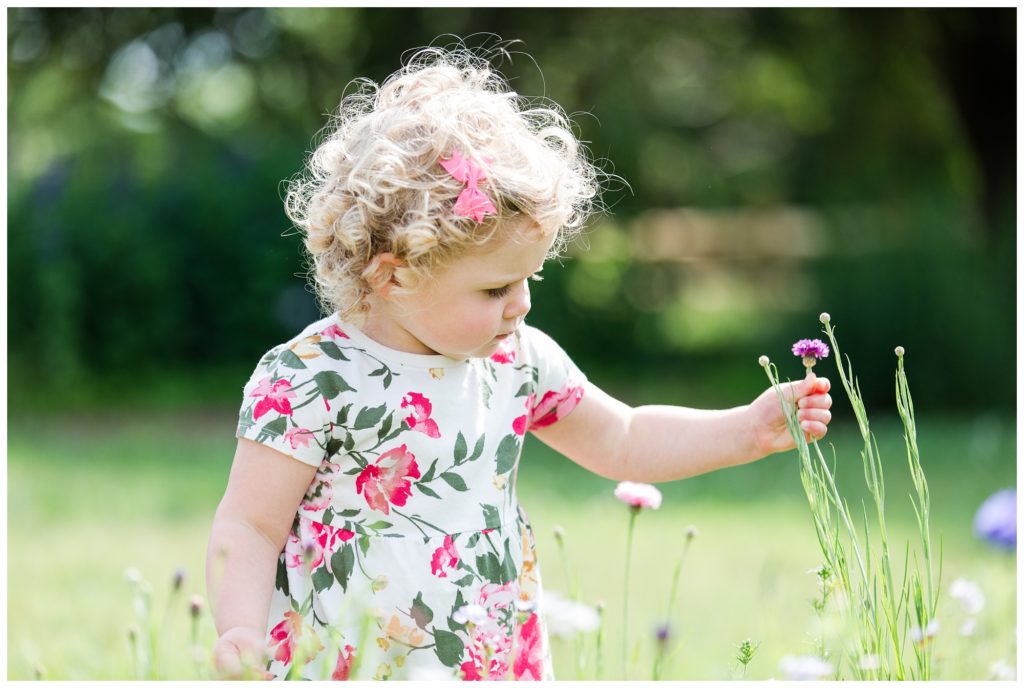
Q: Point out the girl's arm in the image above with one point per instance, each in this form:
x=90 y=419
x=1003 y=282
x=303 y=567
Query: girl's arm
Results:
x=660 y=443
x=249 y=531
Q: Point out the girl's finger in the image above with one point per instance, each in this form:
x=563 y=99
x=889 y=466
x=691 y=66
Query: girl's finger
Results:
x=823 y=416
x=816 y=401
x=814 y=428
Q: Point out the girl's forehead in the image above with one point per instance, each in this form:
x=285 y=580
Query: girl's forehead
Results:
x=505 y=259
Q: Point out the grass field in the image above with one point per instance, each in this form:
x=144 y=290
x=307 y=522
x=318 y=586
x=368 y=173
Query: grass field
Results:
x=90 y=495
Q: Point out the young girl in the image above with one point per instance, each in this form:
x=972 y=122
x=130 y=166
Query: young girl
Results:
x=371 y=512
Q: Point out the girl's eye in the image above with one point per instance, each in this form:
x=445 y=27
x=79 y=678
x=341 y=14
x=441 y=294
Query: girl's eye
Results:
x=499 y=292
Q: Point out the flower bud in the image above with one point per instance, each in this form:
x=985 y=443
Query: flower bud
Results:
x=179 y=578
x=825 y=318
x=133 y=633
x=763 y=361
x=133 y=575
x=599 y=606
x=195 y=606
x=663 y=634
x=559 y=533
x=900 y=351
x=379 y=583
x=691 y=532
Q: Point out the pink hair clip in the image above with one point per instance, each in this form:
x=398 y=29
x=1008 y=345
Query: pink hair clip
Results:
x=471 y=202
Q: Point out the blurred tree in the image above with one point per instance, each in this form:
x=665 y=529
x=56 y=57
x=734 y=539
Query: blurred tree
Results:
x=147 y=147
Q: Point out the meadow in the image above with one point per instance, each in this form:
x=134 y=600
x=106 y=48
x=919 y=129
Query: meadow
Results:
x=93 y=494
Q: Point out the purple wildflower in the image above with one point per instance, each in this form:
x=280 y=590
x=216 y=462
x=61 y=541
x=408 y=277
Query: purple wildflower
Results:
x=810 y=347
x=996 y=520
x=663 y=633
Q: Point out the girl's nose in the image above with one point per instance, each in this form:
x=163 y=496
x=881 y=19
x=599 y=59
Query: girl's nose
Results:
x=519 y=304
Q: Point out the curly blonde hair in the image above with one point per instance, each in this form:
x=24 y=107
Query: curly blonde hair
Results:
x=375 y=184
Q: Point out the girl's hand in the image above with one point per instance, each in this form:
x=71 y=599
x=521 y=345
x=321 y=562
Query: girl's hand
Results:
x=241 y=653
x=813 y=403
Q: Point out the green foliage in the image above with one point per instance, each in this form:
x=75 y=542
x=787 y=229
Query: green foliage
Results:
x=148 y=147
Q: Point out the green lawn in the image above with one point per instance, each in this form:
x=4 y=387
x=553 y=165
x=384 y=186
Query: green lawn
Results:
x=91 y=495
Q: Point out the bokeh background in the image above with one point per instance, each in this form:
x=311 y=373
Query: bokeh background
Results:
x=774 y=163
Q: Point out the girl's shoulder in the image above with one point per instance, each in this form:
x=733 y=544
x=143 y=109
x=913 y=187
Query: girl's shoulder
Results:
x=318 y=344
x=548 y=362
x=535 y=346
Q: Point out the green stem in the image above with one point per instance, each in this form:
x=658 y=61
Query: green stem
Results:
x=633 y=511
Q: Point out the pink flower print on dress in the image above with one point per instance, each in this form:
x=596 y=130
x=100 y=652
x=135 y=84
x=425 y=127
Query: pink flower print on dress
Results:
x=321 y=490
x=506 y=353
x=529 y=664
x=298 y=436
x=275 y=396
x=521 y=423
x=493 y=595
x=554 y=405
x=333 y=332
x=489 y=637
x=344 y=664
x=419 y=420
x=323 y=541
x=445 y=558
x=283 y=638
x=385 y=480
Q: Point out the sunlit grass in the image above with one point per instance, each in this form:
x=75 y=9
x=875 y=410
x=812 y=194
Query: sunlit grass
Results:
x=90 y=497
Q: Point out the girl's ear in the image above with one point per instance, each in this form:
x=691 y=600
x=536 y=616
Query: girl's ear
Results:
x=380 y=273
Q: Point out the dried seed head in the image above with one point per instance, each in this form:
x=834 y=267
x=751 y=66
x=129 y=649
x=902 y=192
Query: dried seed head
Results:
x=763 y=361
x=195 y=606
x=179 y=578
x=825 y=318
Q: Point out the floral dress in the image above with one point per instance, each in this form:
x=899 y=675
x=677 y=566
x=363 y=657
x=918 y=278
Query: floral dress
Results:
x=409 y=556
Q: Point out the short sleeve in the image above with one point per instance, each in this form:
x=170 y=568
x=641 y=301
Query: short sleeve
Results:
x=558 y=382
x=286 y=405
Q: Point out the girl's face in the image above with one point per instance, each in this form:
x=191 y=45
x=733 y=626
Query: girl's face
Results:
x=467 y=307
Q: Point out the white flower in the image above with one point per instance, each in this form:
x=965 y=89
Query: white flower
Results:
x=967 y=627
x=869 y=663
x=525 y=606
x=804 y=668
x=968 y=594
x=929 y=632
x=566 y=618
x=1000 y=670
x=471 y=613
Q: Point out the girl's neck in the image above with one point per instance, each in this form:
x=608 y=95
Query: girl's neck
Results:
x=383 y=328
